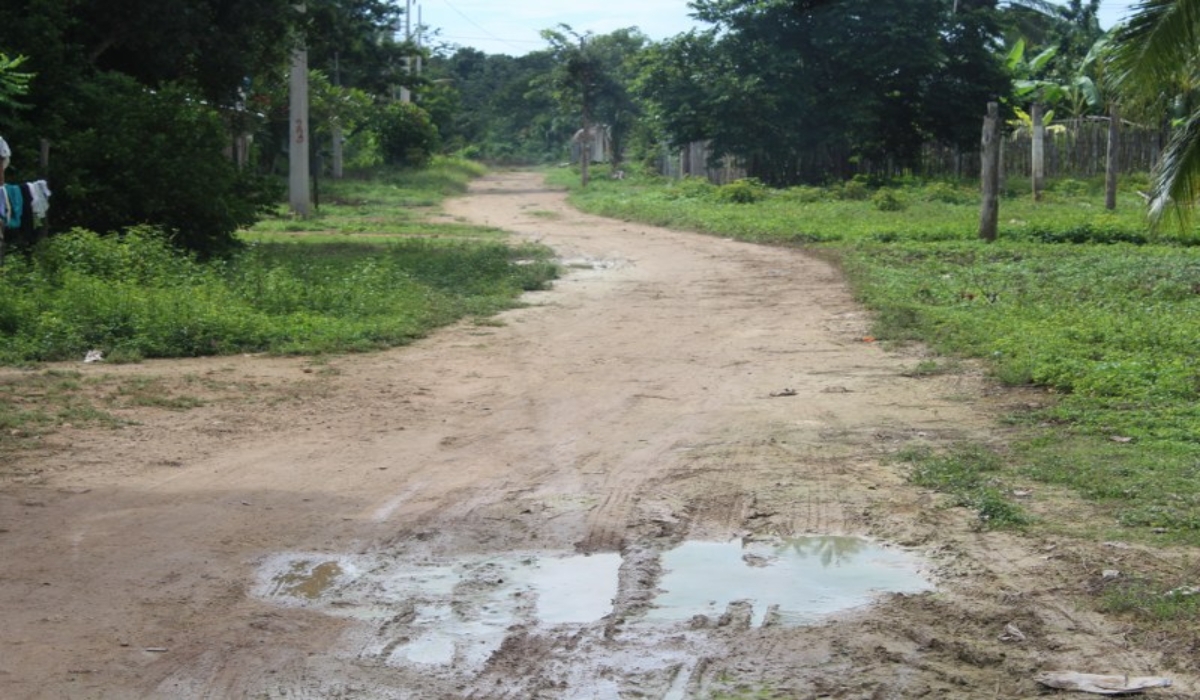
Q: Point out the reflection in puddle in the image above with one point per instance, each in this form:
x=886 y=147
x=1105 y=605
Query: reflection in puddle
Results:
x=452 y=615
x=798 y=580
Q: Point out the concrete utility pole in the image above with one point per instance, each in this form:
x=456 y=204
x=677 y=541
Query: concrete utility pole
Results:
x=336 y=127
x=299 y=192
x=405 y=94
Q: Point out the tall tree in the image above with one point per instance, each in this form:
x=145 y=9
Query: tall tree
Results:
x=576 y=82
x=804 y=90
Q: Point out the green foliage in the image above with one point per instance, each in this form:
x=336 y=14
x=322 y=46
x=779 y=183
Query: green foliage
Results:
x=14 y=84
x=407 y=135
x=744 y=191
x=801 y=92
x=135 y=295
x=854 y=190
x=137 y=156
x=1151 y=599
x=1092 y=307
x=887 y=200
x=692 y=188
x=502 y=116
x=948 y=193
x=971 y=475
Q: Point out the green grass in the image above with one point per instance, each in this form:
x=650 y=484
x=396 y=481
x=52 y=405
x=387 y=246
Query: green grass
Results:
x=367 y=274
x=972 y=475
x=1093 y=308
x=929 y=212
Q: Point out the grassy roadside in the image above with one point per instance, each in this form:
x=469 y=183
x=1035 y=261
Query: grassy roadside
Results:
x=372 y=269
x=1092 y=311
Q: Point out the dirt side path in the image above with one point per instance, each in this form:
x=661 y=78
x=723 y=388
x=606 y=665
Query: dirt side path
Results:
x=485 y=514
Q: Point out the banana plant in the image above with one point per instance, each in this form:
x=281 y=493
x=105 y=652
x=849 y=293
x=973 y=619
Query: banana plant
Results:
x=14 y=84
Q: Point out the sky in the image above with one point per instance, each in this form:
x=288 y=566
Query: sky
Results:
x=513 y=27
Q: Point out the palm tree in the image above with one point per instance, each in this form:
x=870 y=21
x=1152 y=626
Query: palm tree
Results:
x=1156 y=59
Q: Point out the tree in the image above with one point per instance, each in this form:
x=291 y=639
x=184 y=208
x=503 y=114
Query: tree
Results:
x=141 y=98
x=1071 y=29
x=1155 y=57
x=805 y=90
x=503 y=113
x=576 y=82
x=407 y=136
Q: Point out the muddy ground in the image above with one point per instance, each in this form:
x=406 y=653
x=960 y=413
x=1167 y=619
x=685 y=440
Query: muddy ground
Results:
x=487 y=513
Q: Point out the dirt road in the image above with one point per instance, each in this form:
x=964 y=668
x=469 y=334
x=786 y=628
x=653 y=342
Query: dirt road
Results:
x=506 y=510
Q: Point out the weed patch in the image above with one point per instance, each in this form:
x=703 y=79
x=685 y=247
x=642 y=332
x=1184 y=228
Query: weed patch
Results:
x=354 y=282
x=971 y=475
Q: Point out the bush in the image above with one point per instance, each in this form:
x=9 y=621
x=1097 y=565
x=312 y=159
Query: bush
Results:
x=887 y=200
x=137 y=157
x=745 y=191
x=851 y=190
x=691 y=188
x=407 y=136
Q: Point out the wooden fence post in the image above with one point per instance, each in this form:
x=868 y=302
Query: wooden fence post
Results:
x=989 y=214
x=1037 y=171
x=1113 y=161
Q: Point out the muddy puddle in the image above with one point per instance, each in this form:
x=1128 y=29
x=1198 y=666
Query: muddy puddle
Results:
x=780 y=582
x=449 y=617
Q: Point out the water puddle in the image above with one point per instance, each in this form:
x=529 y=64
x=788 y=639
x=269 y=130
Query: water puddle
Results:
x=448 y=613
x=451 y=616
x=790 y=582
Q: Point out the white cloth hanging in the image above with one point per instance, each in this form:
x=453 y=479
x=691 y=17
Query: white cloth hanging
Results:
x=39 y=198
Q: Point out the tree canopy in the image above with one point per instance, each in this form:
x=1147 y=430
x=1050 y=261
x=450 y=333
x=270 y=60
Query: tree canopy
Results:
x=141 y=100
x=804 y=90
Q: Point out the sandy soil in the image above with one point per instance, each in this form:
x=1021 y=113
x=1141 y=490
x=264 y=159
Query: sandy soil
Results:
x=484 y=514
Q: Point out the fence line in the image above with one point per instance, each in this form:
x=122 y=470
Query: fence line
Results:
x=1074 y=148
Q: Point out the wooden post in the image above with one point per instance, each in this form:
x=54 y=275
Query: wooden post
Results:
x=43 y=229
x=1113 y=160
x=1038 y=166
x=989 y=214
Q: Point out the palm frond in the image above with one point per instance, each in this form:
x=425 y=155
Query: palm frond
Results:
x=1177 y=179
x=1160 y=40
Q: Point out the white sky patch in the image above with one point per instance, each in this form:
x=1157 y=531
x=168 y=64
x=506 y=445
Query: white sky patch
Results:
x=514 y=28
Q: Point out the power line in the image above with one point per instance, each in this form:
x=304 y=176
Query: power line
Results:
x=482 y=29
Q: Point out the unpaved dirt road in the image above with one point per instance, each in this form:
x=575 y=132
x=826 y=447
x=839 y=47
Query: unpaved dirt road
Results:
x=488 y=513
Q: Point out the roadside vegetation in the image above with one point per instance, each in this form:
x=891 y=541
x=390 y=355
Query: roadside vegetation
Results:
x=1091 y=308
x=367 y=272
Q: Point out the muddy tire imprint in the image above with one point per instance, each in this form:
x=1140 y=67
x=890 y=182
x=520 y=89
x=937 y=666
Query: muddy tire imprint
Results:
x=491 y=512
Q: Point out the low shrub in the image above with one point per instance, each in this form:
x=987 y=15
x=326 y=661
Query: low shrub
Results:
x=744 y=191
x=887 y=200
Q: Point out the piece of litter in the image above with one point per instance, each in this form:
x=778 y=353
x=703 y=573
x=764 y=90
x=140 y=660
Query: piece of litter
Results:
x=1184 y=591
x=1012 y=634
x=93 y=356
x=1110 y=574
x=1101 y=684
x=1121 y=439
x=156 y=650
x=785 y=392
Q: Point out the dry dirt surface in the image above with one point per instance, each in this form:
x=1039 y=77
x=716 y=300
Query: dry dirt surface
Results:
x=521 y=509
